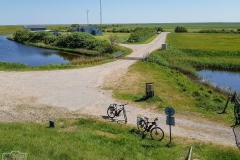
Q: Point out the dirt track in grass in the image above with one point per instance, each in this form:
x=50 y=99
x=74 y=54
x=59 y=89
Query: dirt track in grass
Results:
x=40 y=95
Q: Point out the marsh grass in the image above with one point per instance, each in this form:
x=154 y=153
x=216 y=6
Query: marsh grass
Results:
x=89 y=60
x=23 y=67
x=88 y=138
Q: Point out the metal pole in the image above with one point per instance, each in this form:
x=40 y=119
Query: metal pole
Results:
x=100 y=12
x=170 y=134
x=87 y=15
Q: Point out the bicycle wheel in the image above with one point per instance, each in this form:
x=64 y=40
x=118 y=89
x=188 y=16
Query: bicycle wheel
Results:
x=157 y=133
x=111 y=112
x=125 y=116
x=141 y=125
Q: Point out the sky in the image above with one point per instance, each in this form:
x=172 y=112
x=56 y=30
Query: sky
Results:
x=22 y=12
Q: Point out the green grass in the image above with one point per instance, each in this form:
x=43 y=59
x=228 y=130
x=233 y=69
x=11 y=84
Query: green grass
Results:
x=9 y=29
x=204 y=41
x=95 y=139
x=4 y=66
x=122 y=36
x=211 y=51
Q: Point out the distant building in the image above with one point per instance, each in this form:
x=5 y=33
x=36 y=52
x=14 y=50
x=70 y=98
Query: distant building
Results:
x=35 y=27
x=89 y=29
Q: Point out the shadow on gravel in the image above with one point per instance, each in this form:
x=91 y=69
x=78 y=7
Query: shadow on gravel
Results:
x=236 y=131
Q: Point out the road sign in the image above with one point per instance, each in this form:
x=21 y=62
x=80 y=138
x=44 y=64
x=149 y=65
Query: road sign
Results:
x=170 y=120
x=169 y=111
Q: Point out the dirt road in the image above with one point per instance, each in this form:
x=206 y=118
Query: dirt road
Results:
x=25 y=95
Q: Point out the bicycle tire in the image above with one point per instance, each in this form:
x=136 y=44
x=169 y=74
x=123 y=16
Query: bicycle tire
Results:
x=157 y=133
x=125 y=116
x=111 y=112
x=141 y=125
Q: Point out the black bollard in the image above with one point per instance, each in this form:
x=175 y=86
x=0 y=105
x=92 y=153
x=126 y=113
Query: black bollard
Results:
x=51 y=124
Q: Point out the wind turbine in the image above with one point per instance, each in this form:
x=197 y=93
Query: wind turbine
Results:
x=87 y=15
x=100 y=12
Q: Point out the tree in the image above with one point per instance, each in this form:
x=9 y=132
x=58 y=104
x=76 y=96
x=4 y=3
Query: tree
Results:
x=113 y=39
x=159 y=29
x=75 y=25
x=22 y=35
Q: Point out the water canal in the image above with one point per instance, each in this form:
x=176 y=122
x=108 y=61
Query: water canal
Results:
x=11 y=51
x=227 y=80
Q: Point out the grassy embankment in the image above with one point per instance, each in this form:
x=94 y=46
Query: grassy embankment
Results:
x=88 y=138
x=186 y=52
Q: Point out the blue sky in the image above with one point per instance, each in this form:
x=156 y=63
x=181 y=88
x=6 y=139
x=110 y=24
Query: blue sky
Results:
x=19 y=12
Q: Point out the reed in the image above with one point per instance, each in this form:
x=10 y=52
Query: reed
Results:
x=87 y=60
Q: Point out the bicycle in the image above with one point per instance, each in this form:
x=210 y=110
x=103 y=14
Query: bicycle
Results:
x=113 y=111
x=156 y=132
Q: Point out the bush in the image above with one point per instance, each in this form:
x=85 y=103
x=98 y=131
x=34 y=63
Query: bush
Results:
x=180 y=29
x=39 y=36
x=21 y=35
x=160 y=29
x=74 y=40
x=50 y=39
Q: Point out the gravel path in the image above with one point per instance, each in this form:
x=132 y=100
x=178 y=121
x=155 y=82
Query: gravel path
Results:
x=25 y=95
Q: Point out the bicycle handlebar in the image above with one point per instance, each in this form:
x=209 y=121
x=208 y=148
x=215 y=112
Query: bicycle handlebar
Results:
x=156 y=119
x=122 y=104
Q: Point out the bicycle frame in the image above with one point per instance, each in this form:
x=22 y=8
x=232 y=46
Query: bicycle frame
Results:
x=148 y=127
x=116 y=109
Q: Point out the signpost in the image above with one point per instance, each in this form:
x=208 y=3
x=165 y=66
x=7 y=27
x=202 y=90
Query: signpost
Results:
x=170 y=119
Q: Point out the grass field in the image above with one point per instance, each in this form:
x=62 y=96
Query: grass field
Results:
x=9 y=29
x=169 y=27
x=212 y=51
x=204 y=41
x=88 y=138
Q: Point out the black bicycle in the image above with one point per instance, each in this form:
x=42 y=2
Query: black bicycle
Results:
x=144 y=125
x=113 y=110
